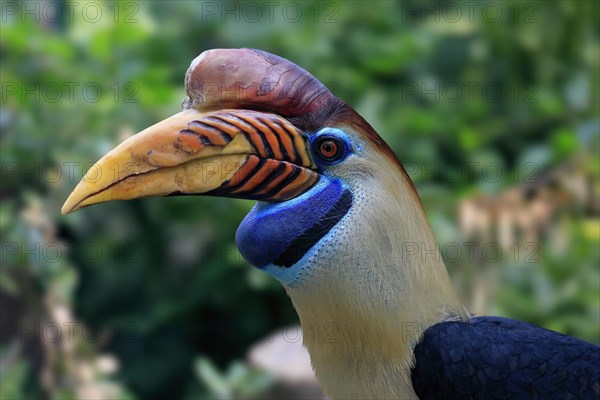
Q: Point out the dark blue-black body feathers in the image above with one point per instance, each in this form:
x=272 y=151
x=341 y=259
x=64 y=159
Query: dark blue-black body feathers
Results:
x=499 y=358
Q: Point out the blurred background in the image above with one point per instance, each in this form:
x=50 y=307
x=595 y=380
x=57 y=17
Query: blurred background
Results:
x=492 y=107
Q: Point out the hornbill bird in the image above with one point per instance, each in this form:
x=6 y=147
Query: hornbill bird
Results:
x=335 y=216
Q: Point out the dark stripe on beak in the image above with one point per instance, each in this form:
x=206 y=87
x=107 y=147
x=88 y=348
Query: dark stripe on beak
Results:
x=287 y=182
x=282 y=150
x=258 y=139
x=267 y=179
x=205 y=126
x=276 y=173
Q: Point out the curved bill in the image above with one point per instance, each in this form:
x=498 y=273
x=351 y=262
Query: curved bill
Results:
x=231 y=153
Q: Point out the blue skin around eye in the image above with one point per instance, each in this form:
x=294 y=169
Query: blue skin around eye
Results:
x=334 y=133
x=269 y=228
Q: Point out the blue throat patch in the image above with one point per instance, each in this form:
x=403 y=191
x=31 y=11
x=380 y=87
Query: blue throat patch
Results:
x=280 y=234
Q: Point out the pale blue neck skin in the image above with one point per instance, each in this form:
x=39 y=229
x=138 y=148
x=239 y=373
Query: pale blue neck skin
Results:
x=269 y=228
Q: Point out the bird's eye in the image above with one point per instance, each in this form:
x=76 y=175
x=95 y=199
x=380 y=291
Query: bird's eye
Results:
x=330 y=146
x=329 y=149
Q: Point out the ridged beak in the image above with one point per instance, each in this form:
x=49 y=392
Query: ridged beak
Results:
x=231 y=153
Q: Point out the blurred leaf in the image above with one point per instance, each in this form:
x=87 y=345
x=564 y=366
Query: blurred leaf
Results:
x=564 y=143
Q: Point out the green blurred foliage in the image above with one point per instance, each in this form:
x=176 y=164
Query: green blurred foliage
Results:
x=509 y=89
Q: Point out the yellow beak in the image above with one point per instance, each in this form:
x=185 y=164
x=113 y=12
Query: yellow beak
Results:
x=231 y=153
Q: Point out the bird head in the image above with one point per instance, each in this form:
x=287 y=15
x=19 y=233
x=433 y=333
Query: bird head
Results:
x=254 y=126
x=337 y=222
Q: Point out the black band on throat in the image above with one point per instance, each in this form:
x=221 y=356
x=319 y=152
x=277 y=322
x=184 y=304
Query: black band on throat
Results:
x=306 y=240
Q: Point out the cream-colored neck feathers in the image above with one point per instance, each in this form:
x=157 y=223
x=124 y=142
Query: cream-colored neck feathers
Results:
x=373 y=286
